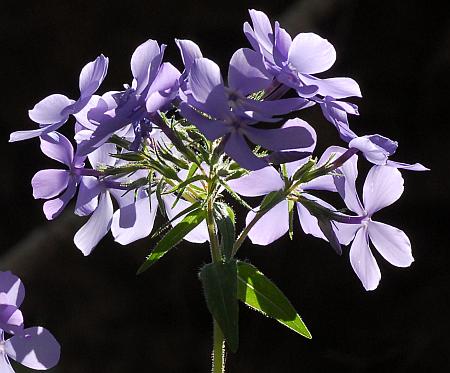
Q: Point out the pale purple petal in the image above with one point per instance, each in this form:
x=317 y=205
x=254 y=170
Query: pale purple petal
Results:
x=212 y=129
x=376 y=148
x=282 y=44
x=49 y=183
x=363 y=262
x=206 y=86
x=247 y=73
x=334 y=87
x=273 y=225
x=407 y=166
x=102 y=156
x=284 y=138
x=56 y=146
x=238 y=149
x=12 y=288
x=383 y=186
x=88 y=192
x=392 y=243
x=51 y=110
x=37 y=350
x=257 y=183
x=145 y=63
x=325 y=182
x=29 y=134
x=5 y=366
x=82 y=115
x=189 y=52
x=135 y=221
x=262 y=30
x=345 y=180
x=311 y=54
x=90 y=234
x=92 y=75
x=54 y=207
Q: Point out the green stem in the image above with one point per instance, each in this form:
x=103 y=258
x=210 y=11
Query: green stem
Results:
x=218 y=354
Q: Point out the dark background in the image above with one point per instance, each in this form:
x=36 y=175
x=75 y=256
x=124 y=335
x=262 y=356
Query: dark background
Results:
x=109 y=320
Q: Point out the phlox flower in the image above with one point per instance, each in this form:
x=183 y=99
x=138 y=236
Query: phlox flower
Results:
x=33 y=347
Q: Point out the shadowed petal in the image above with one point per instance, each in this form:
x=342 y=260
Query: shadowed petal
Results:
x=11 y=319
x=12 y=288
x=363 y=262
x=134 y=221
x=238 y=149
x=392 y=243
x=280 y=138
x=49 y=183
x=383 y=186
x=206 y=86
x=273 y=225
x=54 y=207
x=88 y=192
x=212 y=129
x=376 y=148
x=282 y=44
x=257 y=183
x=247 y=73
x=311 y=54
x=37 y=350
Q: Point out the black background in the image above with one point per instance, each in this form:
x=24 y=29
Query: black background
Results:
x=109 y=320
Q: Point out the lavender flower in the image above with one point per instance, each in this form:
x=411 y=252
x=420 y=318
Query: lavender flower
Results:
x=231 y=113
x=154 y=86
x=58 y=186
x=383 y=186
x=33 y=347
x=53 y=111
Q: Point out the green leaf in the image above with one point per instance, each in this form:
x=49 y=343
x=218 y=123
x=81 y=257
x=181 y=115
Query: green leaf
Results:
x=173 y=237
x=219 y=281
x=261 y=294
x=188 y=209
x=271 y=200
x=224 y=217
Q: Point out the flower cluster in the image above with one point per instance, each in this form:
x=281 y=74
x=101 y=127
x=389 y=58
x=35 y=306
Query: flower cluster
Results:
x=34 y=347
x=179 y=142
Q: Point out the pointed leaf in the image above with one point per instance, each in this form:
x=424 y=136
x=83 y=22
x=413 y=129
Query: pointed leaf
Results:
x=261 y=294
x=173 y=237
x=220 y=286
x=224 y=217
